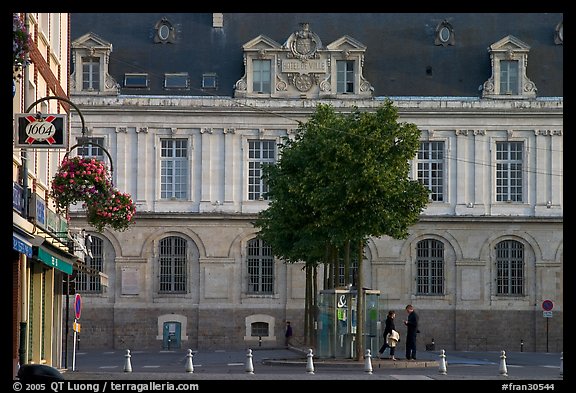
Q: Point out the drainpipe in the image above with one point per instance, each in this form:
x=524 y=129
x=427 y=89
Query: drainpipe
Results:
x=23 y=265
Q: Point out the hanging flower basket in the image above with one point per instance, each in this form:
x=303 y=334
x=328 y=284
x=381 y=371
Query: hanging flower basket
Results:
x=21 y=42
x=80 y=179
x=116 y=210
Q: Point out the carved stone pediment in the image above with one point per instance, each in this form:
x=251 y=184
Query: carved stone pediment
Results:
x=261 y=42
x=91 y=41
x=302 y=67
x=509 y=43
x=346 y=43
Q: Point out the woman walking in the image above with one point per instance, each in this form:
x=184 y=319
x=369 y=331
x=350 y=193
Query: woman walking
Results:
x=390 y=335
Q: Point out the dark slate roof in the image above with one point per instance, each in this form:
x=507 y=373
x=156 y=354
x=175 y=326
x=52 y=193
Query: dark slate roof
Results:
x=401 y=58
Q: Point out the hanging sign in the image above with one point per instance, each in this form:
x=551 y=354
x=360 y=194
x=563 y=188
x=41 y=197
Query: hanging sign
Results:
x=40 y=131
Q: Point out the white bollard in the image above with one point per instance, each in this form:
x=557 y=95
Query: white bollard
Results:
x=189 y=364
x=561 y=363
x=127 y=363
x=249 y=364
x=309 y=363
x=442 y=367
x=503 y=368
x=368 y=362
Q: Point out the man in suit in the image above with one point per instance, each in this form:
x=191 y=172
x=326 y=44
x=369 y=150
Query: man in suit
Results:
x=412 y=324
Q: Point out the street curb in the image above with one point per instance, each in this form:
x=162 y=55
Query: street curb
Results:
x=378 y=363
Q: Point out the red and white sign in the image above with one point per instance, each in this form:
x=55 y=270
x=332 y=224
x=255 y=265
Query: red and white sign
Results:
x=77 y=305
x=547 y=305
x=40 y=131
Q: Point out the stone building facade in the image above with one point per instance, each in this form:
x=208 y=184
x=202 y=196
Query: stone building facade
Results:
x=190 y=272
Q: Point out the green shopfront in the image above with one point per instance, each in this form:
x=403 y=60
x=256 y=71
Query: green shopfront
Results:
x=47 y=270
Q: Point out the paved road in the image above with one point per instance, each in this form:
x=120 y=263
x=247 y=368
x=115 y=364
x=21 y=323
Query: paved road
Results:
x=280 y=363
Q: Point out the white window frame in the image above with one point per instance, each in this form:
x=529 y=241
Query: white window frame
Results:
x=252 y=162
x=94 y=72
x=509 y=162
x=175 y=195
x=346 y=77
x=90 y=150
x=430 y=162
x=260 y=72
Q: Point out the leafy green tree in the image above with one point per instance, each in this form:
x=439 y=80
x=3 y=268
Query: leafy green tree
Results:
x=341 y=180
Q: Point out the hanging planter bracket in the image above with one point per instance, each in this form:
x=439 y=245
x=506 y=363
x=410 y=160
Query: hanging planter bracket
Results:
x=83 y=140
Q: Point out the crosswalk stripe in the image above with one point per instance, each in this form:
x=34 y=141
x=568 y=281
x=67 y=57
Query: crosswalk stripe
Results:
x=410 y=377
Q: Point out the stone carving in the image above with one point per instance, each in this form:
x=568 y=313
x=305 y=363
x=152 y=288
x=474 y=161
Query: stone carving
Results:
x=280 y=84
x=303 y=82
x=305 y=43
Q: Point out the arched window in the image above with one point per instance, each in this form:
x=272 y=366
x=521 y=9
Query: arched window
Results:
x=509 y=268
x=90 y=283
x=173 y=264
x=260 y=267
x=430 y=267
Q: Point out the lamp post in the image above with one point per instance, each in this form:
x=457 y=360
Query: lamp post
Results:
x=82 y=141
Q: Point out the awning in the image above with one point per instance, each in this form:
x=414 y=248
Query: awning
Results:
x=56 y=261
x=21 y=245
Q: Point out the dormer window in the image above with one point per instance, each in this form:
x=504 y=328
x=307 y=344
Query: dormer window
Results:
x=136 y=80
x=444 y=34
x=165 y=32
x=209 y=81
x=176 y=81
x=90 y=56
x=509 y=59
x=303 y=68
x=559 y=34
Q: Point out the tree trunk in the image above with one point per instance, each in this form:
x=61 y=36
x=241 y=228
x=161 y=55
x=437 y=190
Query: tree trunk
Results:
x=308 y=306
x=333 y=267
x=314 y=312
x=347 y=263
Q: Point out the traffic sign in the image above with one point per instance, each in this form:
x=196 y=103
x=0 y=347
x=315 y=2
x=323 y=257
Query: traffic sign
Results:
x=547 y=314
x=547 y=305
x=77 y=305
